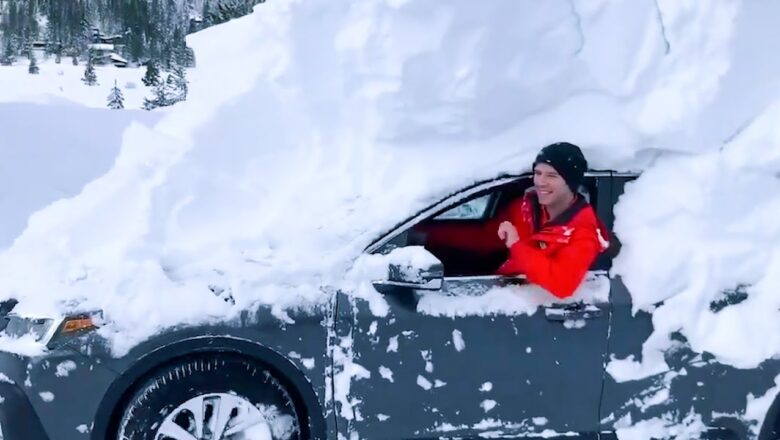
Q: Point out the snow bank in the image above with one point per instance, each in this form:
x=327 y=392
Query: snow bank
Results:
x=48 y=152
x=701 y=225
x=312 y=127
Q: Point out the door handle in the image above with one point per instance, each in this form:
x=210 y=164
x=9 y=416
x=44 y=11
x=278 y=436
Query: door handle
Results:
x=572 y=312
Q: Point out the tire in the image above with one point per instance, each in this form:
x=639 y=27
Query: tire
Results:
x=773 y=431
x=771 y=428
x=234 y=399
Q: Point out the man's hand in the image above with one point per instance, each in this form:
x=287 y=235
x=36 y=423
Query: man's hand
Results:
x=508 y=233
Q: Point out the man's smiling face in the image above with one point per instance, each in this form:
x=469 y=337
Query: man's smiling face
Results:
x=550 y=186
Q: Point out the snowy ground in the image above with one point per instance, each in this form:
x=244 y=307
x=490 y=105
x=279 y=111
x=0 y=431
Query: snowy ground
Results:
x=61 y=83
x=336 y=120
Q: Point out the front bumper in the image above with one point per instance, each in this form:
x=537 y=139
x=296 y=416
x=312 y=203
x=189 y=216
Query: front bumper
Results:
x=51 y=397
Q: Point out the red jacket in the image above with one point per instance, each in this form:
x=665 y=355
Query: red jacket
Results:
x=554 y=254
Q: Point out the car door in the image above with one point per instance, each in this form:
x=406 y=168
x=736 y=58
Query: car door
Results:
x=483 y=355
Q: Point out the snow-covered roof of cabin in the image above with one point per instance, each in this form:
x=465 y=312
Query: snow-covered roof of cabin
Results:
x=116 y=57
x=101 y=46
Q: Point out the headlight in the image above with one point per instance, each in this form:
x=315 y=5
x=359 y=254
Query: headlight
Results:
x=46 y=330
x=19 y=326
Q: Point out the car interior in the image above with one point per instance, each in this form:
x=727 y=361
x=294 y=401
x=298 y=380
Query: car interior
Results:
x=464 y=237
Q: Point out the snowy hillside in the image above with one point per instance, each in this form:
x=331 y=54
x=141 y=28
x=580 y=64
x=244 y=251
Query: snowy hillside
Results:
x=58 y=83
x=314 y=126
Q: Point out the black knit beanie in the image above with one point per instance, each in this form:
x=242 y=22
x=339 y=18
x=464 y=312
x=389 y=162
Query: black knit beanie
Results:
x=568 y=161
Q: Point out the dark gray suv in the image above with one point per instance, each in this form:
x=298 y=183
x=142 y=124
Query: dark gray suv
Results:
x=414 y=372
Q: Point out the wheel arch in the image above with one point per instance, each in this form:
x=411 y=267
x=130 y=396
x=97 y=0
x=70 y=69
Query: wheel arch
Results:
x=298 y=385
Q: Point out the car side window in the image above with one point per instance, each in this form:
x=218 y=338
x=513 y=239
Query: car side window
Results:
x=464 y=236
x=457 y=210
x=474 y=209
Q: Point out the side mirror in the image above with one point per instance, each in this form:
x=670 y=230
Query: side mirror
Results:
x=413 y=267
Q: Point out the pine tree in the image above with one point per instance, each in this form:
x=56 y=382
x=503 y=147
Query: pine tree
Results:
x=189 y=57
x=180 y=83
x=90 y=78
x=50 y=37
x=162 y=95
x=9 y=55
x=172 y=89
x=150 y=29
x=57 y=49
x=206 y=14
x=116 y=100
x=152 y=76
x=33 y=68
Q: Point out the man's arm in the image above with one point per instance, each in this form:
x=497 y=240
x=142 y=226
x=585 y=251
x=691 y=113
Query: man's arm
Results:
x=560 y=273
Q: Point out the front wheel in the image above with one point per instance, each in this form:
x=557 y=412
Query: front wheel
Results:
x=214 y=397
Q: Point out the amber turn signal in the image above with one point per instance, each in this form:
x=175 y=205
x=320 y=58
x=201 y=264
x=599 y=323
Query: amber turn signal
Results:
x=75 y=324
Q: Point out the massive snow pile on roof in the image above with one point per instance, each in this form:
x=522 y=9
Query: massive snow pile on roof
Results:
x=311 y=127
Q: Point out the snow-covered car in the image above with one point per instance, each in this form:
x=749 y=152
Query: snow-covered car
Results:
x=459 y=353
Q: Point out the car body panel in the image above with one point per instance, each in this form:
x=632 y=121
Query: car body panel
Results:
x=63 y=389
x=514 y=374
x=102 y=381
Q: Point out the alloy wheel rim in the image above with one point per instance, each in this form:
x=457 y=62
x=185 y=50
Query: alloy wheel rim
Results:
x=215 y=416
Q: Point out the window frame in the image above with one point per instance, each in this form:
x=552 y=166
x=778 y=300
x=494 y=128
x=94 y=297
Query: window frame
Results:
x=451 y=200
